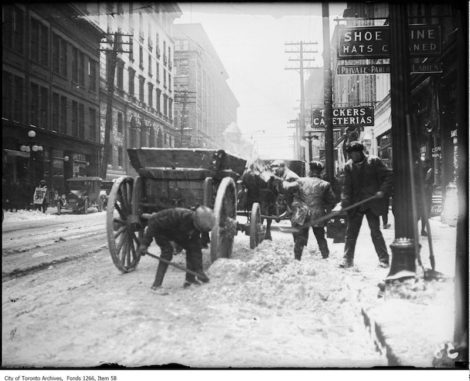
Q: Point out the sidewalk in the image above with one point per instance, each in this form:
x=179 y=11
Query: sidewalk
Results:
x=415 y=318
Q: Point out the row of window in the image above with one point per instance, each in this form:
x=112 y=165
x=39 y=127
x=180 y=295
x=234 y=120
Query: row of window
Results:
x=64 y=112
x=66 y=59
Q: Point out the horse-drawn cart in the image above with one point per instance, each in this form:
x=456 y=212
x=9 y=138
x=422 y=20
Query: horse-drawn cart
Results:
x=167 y=178
x=262 y=199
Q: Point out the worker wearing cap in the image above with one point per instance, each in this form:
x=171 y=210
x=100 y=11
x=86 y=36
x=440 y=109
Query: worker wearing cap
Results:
x=364 y=176
x=281 y=170
x=183 y=227
x=314 y=199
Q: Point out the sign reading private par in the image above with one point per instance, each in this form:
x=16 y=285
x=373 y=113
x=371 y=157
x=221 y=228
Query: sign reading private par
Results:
x=345 y=117
x=374 y=41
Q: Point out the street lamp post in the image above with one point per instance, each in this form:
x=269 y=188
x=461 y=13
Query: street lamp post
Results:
x=33 y=149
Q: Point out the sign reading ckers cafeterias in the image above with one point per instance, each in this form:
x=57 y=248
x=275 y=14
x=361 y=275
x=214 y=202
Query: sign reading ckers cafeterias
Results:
x=374 y=41
x=345 y=117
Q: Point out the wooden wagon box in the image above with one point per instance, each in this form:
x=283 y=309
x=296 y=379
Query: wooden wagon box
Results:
x=176 y=176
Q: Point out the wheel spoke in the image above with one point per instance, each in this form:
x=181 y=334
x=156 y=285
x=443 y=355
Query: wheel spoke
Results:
x=119 y=231
x=119 y=209
x=119 y=246
x=135 y=239
x=118 y=220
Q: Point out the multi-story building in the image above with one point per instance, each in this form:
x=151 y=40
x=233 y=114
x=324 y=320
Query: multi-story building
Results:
x=142 y=103
x=50 y=95
x=205 y=105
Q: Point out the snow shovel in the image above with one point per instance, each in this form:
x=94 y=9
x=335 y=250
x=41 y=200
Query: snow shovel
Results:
x=428 y=274
x=175 y=265
x=286 y=229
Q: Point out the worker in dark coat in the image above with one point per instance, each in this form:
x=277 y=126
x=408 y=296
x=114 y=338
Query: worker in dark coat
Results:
x=313 y=199
x=364 y=176
x=183 y=227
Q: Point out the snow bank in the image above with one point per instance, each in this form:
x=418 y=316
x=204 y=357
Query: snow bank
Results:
x=26 y=215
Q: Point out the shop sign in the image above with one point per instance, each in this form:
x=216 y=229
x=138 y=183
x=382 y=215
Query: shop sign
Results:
x=374 y=41
x=362 y=69
x=436 y=151
x=429 y=68
x=345 y=117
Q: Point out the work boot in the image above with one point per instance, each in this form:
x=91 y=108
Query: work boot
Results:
x=298 y=249
x=346 y=263
x=189 y=283
x=161 y=270
x=384 y=263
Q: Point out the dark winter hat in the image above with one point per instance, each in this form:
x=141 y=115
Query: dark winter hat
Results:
x=316 y=166
x=42 y=182
x=355 y=146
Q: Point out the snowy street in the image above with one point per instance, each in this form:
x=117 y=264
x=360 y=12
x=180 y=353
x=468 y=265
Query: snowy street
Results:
x=261 y=308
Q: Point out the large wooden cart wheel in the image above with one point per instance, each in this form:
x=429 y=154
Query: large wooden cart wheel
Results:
x=225 y=229
x=257 y=230
x=123 y=227
x=208 y=192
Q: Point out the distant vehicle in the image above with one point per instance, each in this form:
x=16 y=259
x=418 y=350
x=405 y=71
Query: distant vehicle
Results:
x=104 y=192
x=84 y=192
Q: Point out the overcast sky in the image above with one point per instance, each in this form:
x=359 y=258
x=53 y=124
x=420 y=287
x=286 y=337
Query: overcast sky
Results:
x=249 y=39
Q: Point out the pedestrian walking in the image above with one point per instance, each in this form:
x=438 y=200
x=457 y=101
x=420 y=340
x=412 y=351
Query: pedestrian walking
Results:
x=183 y=227
x=280 y=169
x=424 y=183
x=365 y=176
x=41 y=196
x=313 y=198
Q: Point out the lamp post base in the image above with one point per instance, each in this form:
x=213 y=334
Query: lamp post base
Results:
x=403 y=263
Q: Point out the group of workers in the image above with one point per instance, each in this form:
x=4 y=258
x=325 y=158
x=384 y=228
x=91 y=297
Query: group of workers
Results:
x=365 y=177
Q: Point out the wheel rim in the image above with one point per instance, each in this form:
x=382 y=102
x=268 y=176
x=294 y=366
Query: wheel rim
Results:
x=256 y=226
x=225 y=210
x=122 y=228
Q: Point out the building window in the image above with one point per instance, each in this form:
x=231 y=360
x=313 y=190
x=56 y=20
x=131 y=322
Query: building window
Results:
x=81 y=121
x=92 y=74
x=92 y=124
x=141 y=57
x=44 y=112
x=13 y=28
x=141 y=88
x=150 y=64
x=164 y=78
x=170 y=106
x=18 y=96
x=157 y=72
x=131 y=82
x=119 y=119
x=34 y=104
x=63 y=57
x=165 y=105
x=157 y=45
x=74 y=118
x=164 y=53
x=143 y=133
x=55 y=53
x=63 y=115
x=35 y=32
x=152 y=137
x=120 y=75
x=75 y=65
x=55 y=112
x=159 y=96
x=150 y=93
x=120 y=156
x=81 y=69
x=44 y=46
x=7 y=84
x=169 y=82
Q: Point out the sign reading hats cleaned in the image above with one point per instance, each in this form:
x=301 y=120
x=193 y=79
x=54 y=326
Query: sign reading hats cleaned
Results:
x=345 y=116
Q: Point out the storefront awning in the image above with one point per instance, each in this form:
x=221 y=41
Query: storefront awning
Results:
x=12 y=152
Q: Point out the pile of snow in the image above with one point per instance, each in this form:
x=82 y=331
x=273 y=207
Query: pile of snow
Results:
x=26 y=215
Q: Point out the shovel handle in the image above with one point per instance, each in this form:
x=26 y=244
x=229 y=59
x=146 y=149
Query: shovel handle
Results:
x=174 y=264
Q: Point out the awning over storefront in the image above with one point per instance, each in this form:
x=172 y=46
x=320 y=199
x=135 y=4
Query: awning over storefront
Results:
x=12 y=152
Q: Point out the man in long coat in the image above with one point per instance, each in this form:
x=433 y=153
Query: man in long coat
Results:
x=364 y=176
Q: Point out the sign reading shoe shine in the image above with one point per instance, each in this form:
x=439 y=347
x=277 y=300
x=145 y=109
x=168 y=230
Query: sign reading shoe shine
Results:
x=374 y=41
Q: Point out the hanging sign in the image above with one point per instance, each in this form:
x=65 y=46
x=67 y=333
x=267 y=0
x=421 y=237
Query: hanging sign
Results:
x=345 y=117
x=374 y=41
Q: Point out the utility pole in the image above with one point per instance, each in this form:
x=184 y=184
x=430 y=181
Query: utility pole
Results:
x=185 y=97
x=329 y=156
x=299 y=49
x=115 y=40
